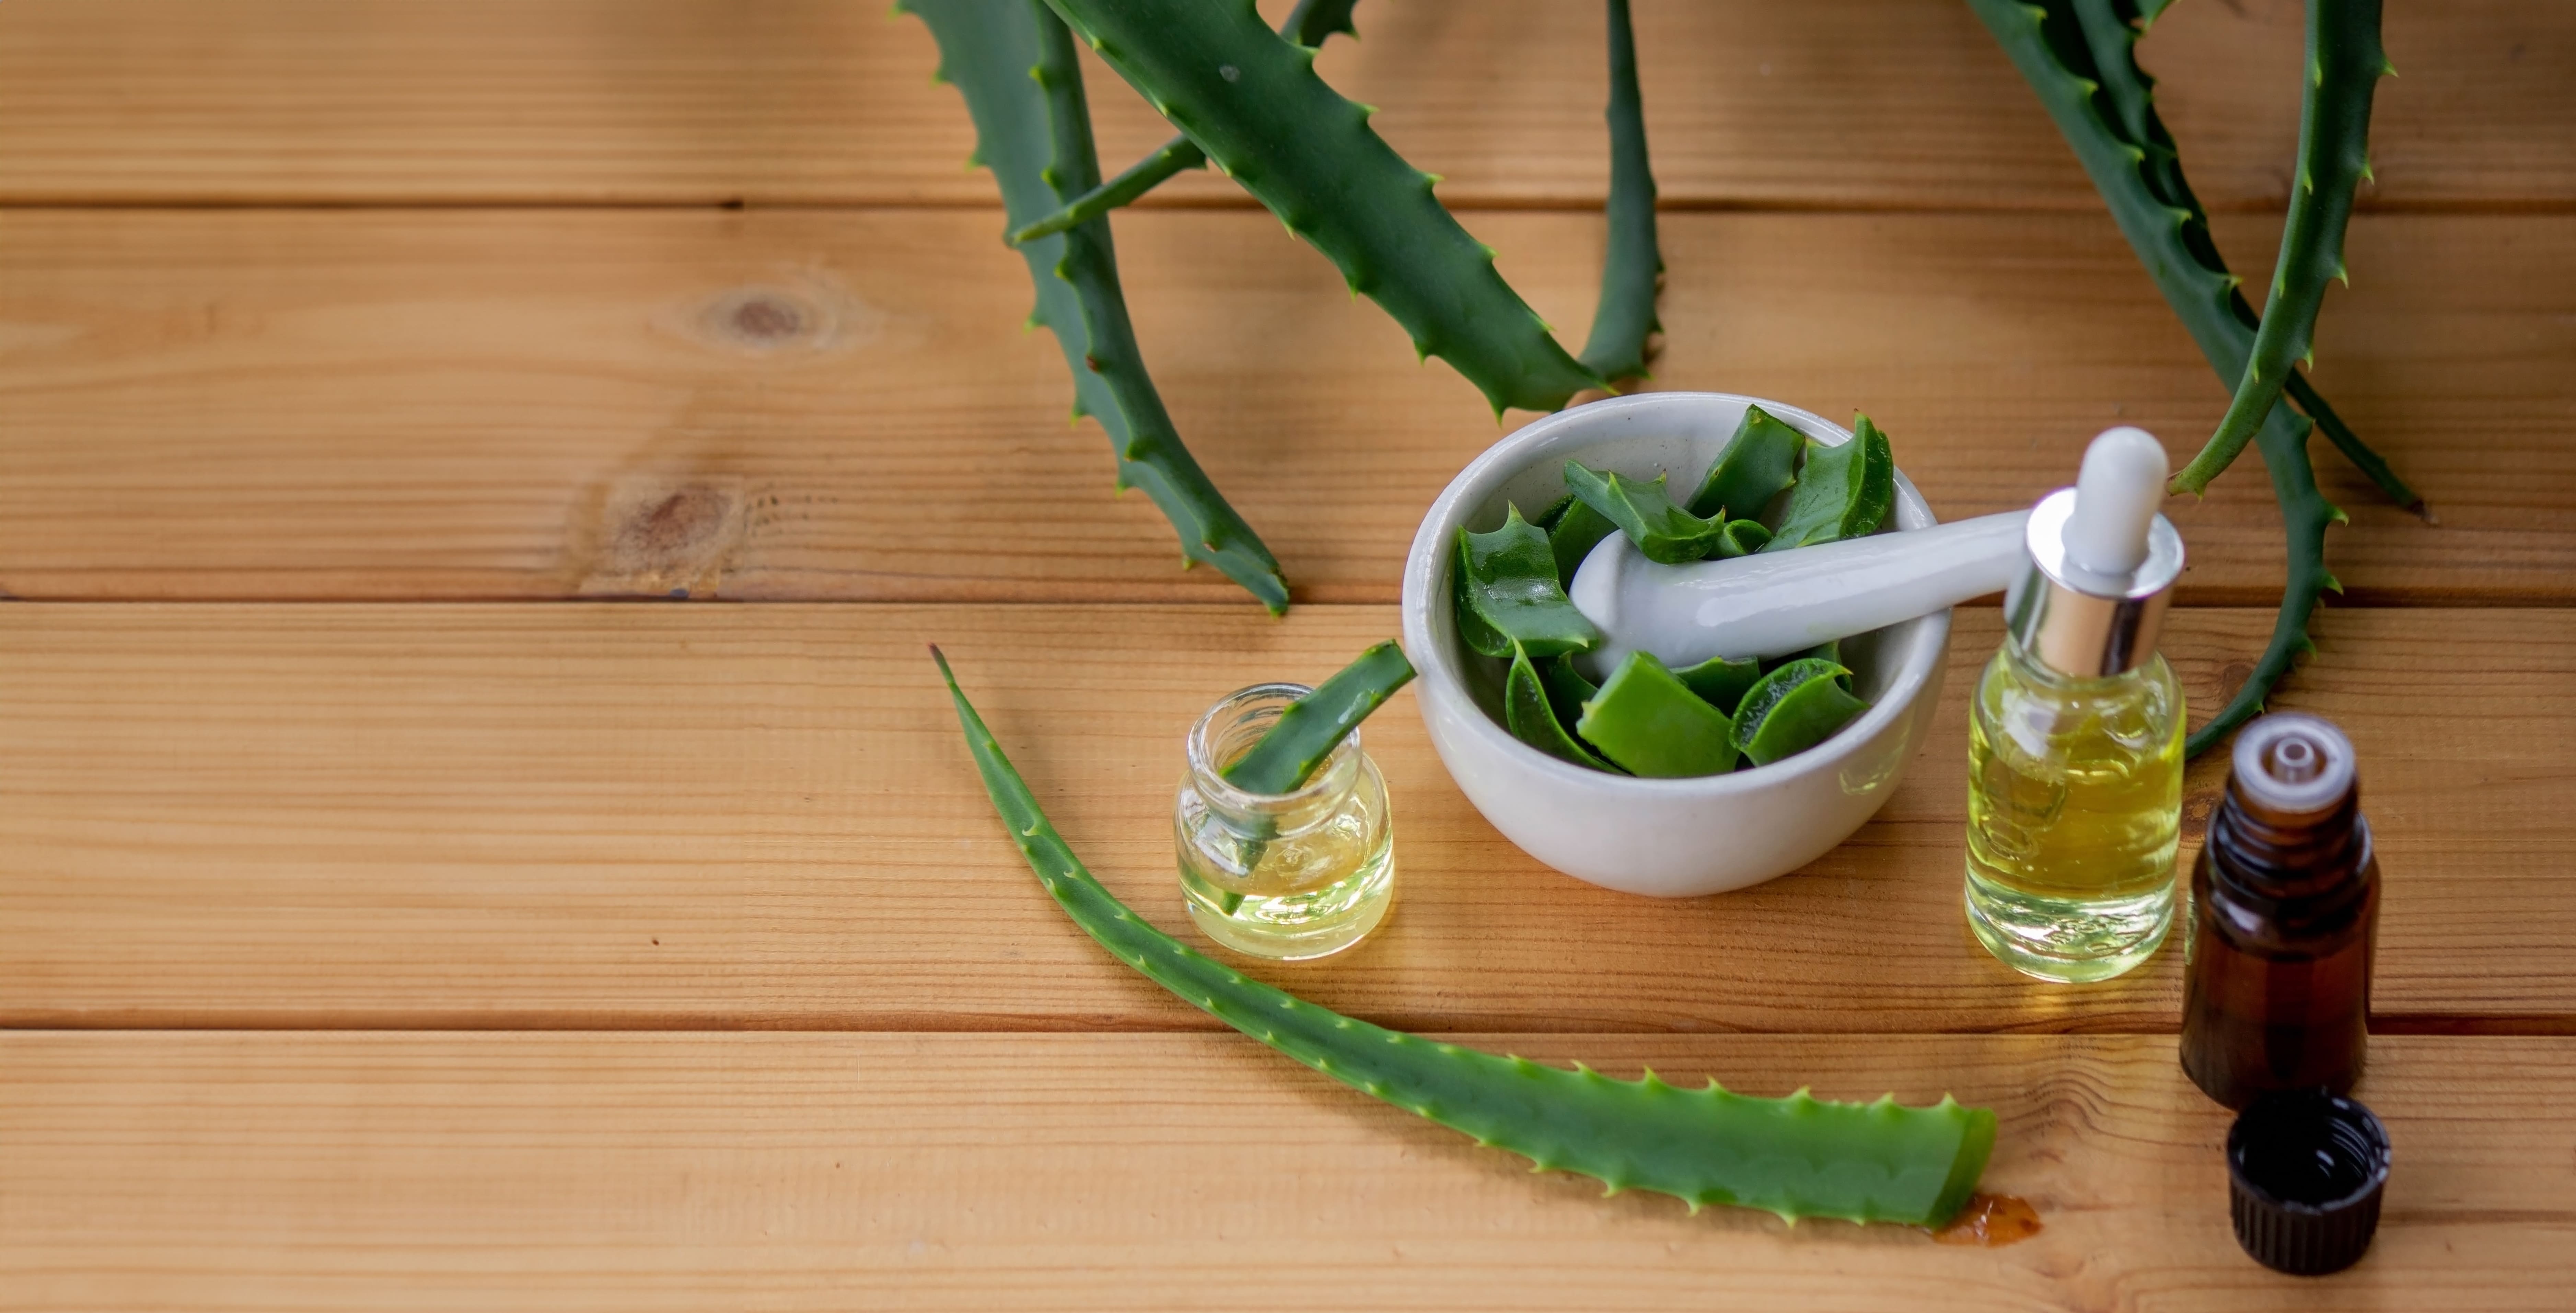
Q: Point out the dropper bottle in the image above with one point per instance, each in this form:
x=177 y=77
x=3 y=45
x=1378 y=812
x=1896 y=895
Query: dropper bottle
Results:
x=2076 y=732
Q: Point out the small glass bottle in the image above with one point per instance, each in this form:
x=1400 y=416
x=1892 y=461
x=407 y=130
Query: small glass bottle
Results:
x=1287 y=876
x=2075 y=735
x=2285 y=901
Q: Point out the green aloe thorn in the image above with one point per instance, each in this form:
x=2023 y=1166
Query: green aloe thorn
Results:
x=1015 y=65
x=1312 y=21
x=1797 y=1157
x=2345 y=63
x=1252 y=101
x=1632 y=267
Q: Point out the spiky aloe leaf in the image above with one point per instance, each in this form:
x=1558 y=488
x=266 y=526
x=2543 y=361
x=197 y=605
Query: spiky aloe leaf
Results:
x=1308 y=25
x=1797 y=1157
x=2345 y=63
x=1632 y=267
x=2048 y=44
x=1251 y=100
x=2111 y=30
x=1015 y=64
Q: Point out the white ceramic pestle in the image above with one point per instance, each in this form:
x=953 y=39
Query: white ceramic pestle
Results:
x=1774 y=603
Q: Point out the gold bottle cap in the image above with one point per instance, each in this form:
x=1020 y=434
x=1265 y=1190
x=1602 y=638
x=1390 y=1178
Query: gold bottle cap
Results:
x=2085 y=624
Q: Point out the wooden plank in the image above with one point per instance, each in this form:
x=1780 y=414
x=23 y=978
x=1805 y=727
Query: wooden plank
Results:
x=626 y=816
x=1867 y=103
x=331 y=405
x=261 y=1171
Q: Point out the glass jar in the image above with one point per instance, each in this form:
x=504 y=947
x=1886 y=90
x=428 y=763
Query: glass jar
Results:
x=1286 y=876
x=2074 y=811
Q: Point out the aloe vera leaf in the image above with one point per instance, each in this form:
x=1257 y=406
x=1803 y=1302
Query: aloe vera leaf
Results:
x=1796 y=1157
x=2372 y=465
x=1507 y=581
x=1623 y=320
x=1567 y=689
x=1309 y=728
x=1015 y=65
x=1576 y=533
x=1842 y=492
x=1721 y=681
x=1742 y=538
x=1251 y=100
x=2046 y=42
x=1661 y=529
x=1650 y=723
x=1794 y=708
x=1308 y=25
x=1532 y=718
x=1759 y=463
x=1555 y=513
x=2111 y=29
x=2344 y=64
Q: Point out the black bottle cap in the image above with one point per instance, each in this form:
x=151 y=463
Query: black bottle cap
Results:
x=2304 y=1171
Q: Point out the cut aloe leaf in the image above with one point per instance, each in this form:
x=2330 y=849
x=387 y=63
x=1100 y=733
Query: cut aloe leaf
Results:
x=1843 y=492
x=1532 y=719
x=1792 y=709
x=1309 y=728
x=1567 y=689
x=1650 y=723
x=1661 y=529
x=1577 y=532
x=1721 y=681
x=1759 y=463
x=1507 y=583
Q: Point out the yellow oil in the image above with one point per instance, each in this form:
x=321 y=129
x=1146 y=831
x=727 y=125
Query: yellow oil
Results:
x=2074 y=809
x=1288 y=881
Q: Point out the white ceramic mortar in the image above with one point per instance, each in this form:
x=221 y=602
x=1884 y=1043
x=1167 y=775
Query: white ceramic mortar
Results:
x=1664 y=837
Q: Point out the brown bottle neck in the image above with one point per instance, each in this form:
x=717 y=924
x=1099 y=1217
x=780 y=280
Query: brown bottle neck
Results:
x=2307 y=869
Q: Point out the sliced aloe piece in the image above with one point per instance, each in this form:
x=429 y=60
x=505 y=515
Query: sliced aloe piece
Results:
x=1309 y=728
x=1650 y=723
x=1533 y=721
x=1660 y=528
x=1843 y=492
x=1721 y=681
x=1507 y=585
x=1567 y=689
x=1577 y=532
x=1759 y=463
x=1794 y=708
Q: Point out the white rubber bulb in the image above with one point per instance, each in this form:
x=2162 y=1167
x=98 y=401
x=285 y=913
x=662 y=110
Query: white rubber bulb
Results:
x=2116 y=498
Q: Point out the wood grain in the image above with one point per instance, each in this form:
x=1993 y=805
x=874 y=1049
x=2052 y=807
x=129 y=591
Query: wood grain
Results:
x=251 y=1171
x=1835 y=103
x=621 y=816
x=337 y=405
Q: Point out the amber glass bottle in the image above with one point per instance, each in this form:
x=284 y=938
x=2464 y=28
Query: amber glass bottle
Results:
x=2285 y=907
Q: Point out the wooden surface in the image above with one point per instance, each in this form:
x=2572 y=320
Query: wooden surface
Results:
x=829 y=1172
x=377 y=875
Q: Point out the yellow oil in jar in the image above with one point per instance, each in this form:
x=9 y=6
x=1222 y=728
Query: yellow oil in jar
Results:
x=1289 y=876
x=2074 y=810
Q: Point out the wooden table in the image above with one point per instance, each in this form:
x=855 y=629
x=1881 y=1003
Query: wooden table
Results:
x=395 y=912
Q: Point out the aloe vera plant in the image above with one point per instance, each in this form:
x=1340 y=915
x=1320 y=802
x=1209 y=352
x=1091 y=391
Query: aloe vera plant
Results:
x=1307 y=25
x=2111 y=29
x=1623 y=320
x=1797 y=1157
x=2344 y=63
x=1252 y=101
x=1309 y=728
x=2049 y=43
x=1015 y=65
